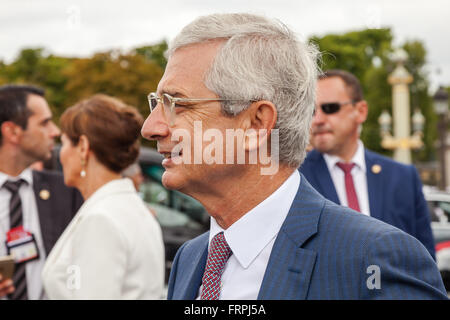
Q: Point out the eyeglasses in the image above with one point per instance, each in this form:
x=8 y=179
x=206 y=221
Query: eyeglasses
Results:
x=170 y=103
x=333 y=107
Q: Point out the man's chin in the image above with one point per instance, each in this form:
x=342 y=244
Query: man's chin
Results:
x=321 y=145
x=170 y=180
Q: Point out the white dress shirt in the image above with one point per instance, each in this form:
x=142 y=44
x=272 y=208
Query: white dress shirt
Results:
x=112 y=249
x=359 y=178
x=30 y=218
x=251 y=239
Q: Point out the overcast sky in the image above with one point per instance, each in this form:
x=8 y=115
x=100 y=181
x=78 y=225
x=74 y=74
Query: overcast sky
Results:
x=82 y=27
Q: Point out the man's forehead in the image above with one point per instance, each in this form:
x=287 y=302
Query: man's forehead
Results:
x=188 y=64
x=38 y=105
x=332 y=88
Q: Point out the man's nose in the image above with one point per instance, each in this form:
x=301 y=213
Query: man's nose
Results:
x=155 y=126
x=319 y=116
x=55 y=130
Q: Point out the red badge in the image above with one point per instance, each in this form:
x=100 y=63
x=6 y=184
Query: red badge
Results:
x=21 y=245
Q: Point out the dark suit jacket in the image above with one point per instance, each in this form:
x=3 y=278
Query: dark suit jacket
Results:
x=395 y=193
x=57 y=211
x=327 y=251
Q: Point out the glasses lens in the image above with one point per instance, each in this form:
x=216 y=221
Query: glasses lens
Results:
x=330 y=108
x=153 y=100
x=169 y=109
x=167 y=102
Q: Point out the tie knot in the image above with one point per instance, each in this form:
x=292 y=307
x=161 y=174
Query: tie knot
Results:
x=346 y=167
x=220 y=246
x=13 y=186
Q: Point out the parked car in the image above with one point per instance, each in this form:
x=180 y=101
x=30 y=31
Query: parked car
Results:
x=439 y=207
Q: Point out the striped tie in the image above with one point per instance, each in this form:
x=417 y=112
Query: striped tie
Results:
x=217 y=258
x=15 y=220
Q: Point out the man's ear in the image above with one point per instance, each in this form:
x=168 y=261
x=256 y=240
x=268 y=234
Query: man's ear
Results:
x=11 y=132
x=262 y=118
x=363 y=111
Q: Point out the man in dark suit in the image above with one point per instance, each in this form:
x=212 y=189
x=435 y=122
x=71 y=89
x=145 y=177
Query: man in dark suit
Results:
x=33 y=204
x=375 y=185
x=272 y=236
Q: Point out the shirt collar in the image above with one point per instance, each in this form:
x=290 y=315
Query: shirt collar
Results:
x=26 y=175
x=358 y=158
x=248 y=236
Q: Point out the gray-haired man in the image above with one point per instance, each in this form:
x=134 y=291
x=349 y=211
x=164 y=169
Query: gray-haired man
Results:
x=272 y=235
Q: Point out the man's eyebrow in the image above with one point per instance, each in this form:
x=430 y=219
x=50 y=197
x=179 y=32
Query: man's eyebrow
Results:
x=174 y=93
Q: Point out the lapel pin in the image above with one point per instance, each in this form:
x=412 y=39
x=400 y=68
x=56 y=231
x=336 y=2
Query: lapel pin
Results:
x=44 y=194
x=376 y=168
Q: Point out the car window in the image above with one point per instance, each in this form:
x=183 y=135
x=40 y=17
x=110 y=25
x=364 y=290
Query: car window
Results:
x=154 y=192
x=439 y=211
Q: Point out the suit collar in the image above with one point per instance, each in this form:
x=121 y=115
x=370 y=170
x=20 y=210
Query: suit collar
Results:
x=288 y=256
x=304 y=214
x=374 y=184
x=322 y=176
x=44 y=210
x=193 y=277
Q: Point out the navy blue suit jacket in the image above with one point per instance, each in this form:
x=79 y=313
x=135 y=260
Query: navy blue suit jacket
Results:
x=395 y=193
x=326 y=251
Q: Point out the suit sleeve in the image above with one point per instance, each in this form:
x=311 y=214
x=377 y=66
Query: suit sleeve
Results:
x=423 y=224
x=398 y=266
x=100 y=253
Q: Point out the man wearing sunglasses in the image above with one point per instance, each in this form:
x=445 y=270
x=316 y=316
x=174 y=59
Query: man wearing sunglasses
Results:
x=343 y=171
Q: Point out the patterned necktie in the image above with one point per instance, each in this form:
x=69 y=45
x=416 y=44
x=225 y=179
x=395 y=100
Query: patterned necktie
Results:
x=352 y=199
x=16 y=220
x=217 y=258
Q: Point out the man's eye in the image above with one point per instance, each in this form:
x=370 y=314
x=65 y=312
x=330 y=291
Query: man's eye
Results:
x=181 y=105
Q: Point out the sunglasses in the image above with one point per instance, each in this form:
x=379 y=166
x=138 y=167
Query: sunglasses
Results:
x=333 y=107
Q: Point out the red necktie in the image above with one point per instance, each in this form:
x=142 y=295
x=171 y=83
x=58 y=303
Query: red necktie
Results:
x=352 y=199
x=217 y=258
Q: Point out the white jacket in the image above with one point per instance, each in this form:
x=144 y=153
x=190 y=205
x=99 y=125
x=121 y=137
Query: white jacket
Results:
x=112 y=249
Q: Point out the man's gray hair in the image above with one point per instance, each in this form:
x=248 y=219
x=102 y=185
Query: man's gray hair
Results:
x=260 y=59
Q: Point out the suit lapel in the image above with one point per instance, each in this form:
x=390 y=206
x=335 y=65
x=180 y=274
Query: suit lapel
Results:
x=374 y=185
x=193 y=279
x=290 y=266
x=323 y=177
x=44 y=210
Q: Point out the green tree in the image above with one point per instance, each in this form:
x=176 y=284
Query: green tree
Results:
x=35 y=66
x=128 y=77
x=155 y=53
